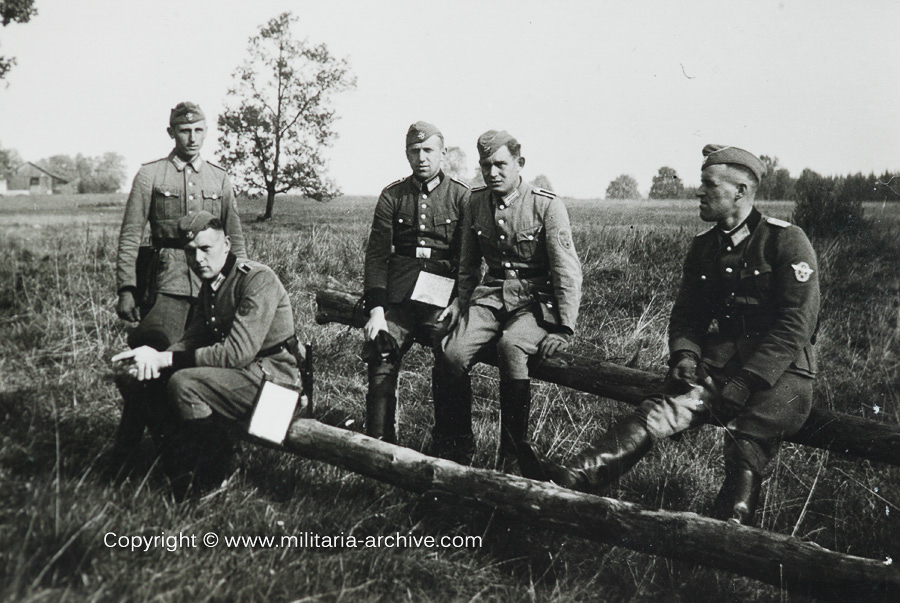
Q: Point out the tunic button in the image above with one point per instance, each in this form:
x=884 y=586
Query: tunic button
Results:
x=479 y=232
x=424 y=216
x=421 y=227
x=213 y=319
x=448 y=220
x=500 y=221
x=422 y=243
x=502 y=207
x=424 y=196
x=702 y=277
x=756 y=273
x=190 y=184
x=507 y=264
x=424 y=205
x=400 y=220
x=728 y=248
x=729 y=270
x=530 y=237
x=502 y=237
x=191 y=197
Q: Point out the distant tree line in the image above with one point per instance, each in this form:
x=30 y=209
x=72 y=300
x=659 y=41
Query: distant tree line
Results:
x=102 y=174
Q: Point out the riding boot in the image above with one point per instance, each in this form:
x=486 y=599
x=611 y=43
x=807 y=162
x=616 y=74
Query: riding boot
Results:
x=197 y=456
x=739 y=495
x=595 y=467
x=451 y=436
x=515 y=407
x=381 y=402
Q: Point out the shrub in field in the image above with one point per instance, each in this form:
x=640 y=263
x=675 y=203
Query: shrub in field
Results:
x=824 y=209
x=623 y=187
x=667 y=185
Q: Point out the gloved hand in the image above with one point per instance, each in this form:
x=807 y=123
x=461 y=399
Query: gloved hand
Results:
x=126 y=308
x=734 y=395
x=551 y=344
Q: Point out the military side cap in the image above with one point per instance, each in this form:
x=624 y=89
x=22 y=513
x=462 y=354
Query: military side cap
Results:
x=420 y=132
x=191 y=224
x=719 y=154
x=186 y=113
x=491 y=141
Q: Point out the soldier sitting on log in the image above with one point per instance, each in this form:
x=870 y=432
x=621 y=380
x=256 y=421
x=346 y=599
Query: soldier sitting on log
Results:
x=741 y=337
x=241 y=331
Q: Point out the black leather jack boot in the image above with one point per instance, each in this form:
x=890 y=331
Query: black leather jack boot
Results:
x=381 y=403
x=515 y=408
x=739 y=496
x=596 y=467
x=451 y=436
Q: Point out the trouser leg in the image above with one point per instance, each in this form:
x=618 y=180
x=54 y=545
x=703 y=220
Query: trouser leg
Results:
x=199 y=456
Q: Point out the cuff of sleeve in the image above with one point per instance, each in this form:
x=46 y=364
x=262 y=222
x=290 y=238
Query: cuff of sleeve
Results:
x=754 y=382
x=680 y=355
x=182 y=360
x=130 y=288
x=565 y=330
x=684 y=344
x=373 y=298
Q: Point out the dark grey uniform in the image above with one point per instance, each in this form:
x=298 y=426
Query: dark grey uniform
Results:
x=415 y=229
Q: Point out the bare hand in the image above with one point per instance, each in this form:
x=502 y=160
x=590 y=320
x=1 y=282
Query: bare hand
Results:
x=376 y=323
x=452 y=312
x=551 y=344
x=146 y=362
x=126 y=307
x=684 y=371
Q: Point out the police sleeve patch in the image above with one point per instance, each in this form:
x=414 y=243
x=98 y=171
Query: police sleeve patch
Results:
x=564 y=236
x=777 y=222
x=802 y=272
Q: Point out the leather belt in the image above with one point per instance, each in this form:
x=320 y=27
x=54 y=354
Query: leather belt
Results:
x=427 y=253
x=167 y=243
x=511 y=273
x=278 y=347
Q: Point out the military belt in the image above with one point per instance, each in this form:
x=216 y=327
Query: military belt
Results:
x=428 y=253
x=511 y=273
x=167 y=243
x=278 y=348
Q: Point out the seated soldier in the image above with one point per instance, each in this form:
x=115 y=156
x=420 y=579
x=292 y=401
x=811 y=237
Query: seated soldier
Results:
x=241 y=331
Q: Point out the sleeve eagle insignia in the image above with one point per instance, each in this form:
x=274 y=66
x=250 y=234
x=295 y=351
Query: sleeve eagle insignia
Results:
x=802 y=271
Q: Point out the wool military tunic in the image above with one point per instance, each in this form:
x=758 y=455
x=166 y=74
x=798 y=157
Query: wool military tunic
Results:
x=526 y=240
x=242 y=317
x=750 y=298
x=415 y=228
x=163 y=192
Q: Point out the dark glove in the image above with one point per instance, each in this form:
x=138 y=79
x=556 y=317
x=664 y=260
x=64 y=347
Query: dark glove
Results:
x=734 y=395
x=383 y=348
x=683 y=369
x=552 y=343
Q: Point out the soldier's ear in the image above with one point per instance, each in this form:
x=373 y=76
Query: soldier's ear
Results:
x=741 y=190
x=170 y=132
x=521 y=162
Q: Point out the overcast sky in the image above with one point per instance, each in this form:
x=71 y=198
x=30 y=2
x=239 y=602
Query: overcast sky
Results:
x=591 y=89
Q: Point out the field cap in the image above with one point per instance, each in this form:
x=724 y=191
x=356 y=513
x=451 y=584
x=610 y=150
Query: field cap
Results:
x=420 y=132
x=491 y=141
x=192 y=224
x=719 y=154
x=186 y=113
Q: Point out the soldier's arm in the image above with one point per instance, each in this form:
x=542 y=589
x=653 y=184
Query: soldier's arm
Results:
x=797 y=307
x=378 y=252
x=232 y=220
x=137 y=210
x=691 y=314
x=469 y=256
x=565 y=267
x=256 y=305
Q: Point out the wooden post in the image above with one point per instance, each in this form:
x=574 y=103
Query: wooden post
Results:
x=823 y=429
x=776 y=559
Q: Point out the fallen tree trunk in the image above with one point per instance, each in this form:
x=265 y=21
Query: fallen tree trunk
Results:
x=823 y=429
x=776 y=559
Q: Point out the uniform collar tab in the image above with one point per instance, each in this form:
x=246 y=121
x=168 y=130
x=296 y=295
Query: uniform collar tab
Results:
x=196 y=163
x=216 y=283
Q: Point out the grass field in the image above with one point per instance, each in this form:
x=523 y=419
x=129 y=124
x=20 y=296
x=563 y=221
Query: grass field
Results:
x=58 y=410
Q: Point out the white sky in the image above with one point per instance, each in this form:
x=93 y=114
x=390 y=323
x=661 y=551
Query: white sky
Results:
x=591 y=89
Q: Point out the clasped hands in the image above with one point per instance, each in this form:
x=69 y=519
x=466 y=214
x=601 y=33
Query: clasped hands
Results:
x=143 y=363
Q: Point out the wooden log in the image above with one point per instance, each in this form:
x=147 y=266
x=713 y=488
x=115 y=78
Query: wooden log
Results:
x=824 y=429
x=776 y=559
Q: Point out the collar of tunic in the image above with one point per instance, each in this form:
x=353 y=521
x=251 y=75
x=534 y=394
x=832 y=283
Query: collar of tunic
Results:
x=217 y=281
x=196 y=163
x=742 y=231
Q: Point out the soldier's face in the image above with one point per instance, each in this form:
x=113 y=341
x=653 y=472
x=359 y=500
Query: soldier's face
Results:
x=718 y=195
x=501 y=171
x=188 y=138
x=207 y=253
x=425 y=157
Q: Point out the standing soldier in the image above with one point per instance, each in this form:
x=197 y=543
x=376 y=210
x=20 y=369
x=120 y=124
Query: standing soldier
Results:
x=155 y=287
x=741 y=340
x=240 y=332
x=527 y=302
x=412 y=259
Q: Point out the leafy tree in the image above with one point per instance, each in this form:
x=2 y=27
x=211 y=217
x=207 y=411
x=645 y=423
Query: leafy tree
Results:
x=9 y=161
x=666 y=185
x=61 y=165
x=824 y=208
x=279 y=116
x=542 y=182
x=477 y=178
x=454 y=163
x=623 y=187
x=19 y=11
x=105 y=174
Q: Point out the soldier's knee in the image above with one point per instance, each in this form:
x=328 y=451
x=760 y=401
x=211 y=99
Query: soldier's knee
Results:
x=452 y=360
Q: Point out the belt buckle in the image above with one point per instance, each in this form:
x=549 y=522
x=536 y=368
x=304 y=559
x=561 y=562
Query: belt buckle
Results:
x=423 y=252
x=511 y=273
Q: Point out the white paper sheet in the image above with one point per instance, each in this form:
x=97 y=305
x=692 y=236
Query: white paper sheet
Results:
x=274 y=410
x=433 y=289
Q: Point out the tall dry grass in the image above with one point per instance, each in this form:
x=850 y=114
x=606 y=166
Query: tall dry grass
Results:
x=58 y=410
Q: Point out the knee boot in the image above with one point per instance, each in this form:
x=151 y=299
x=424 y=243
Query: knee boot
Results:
x=451 y=436
x=739 y=495
x=197 y=456
x=515 y=407
x=598 y=466
x=381 y=402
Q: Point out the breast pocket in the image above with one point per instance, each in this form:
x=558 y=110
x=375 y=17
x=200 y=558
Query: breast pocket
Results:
x=444 y=226
x=756 y=281
x=212 y=202
x=166 y=203
x=528 y=242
